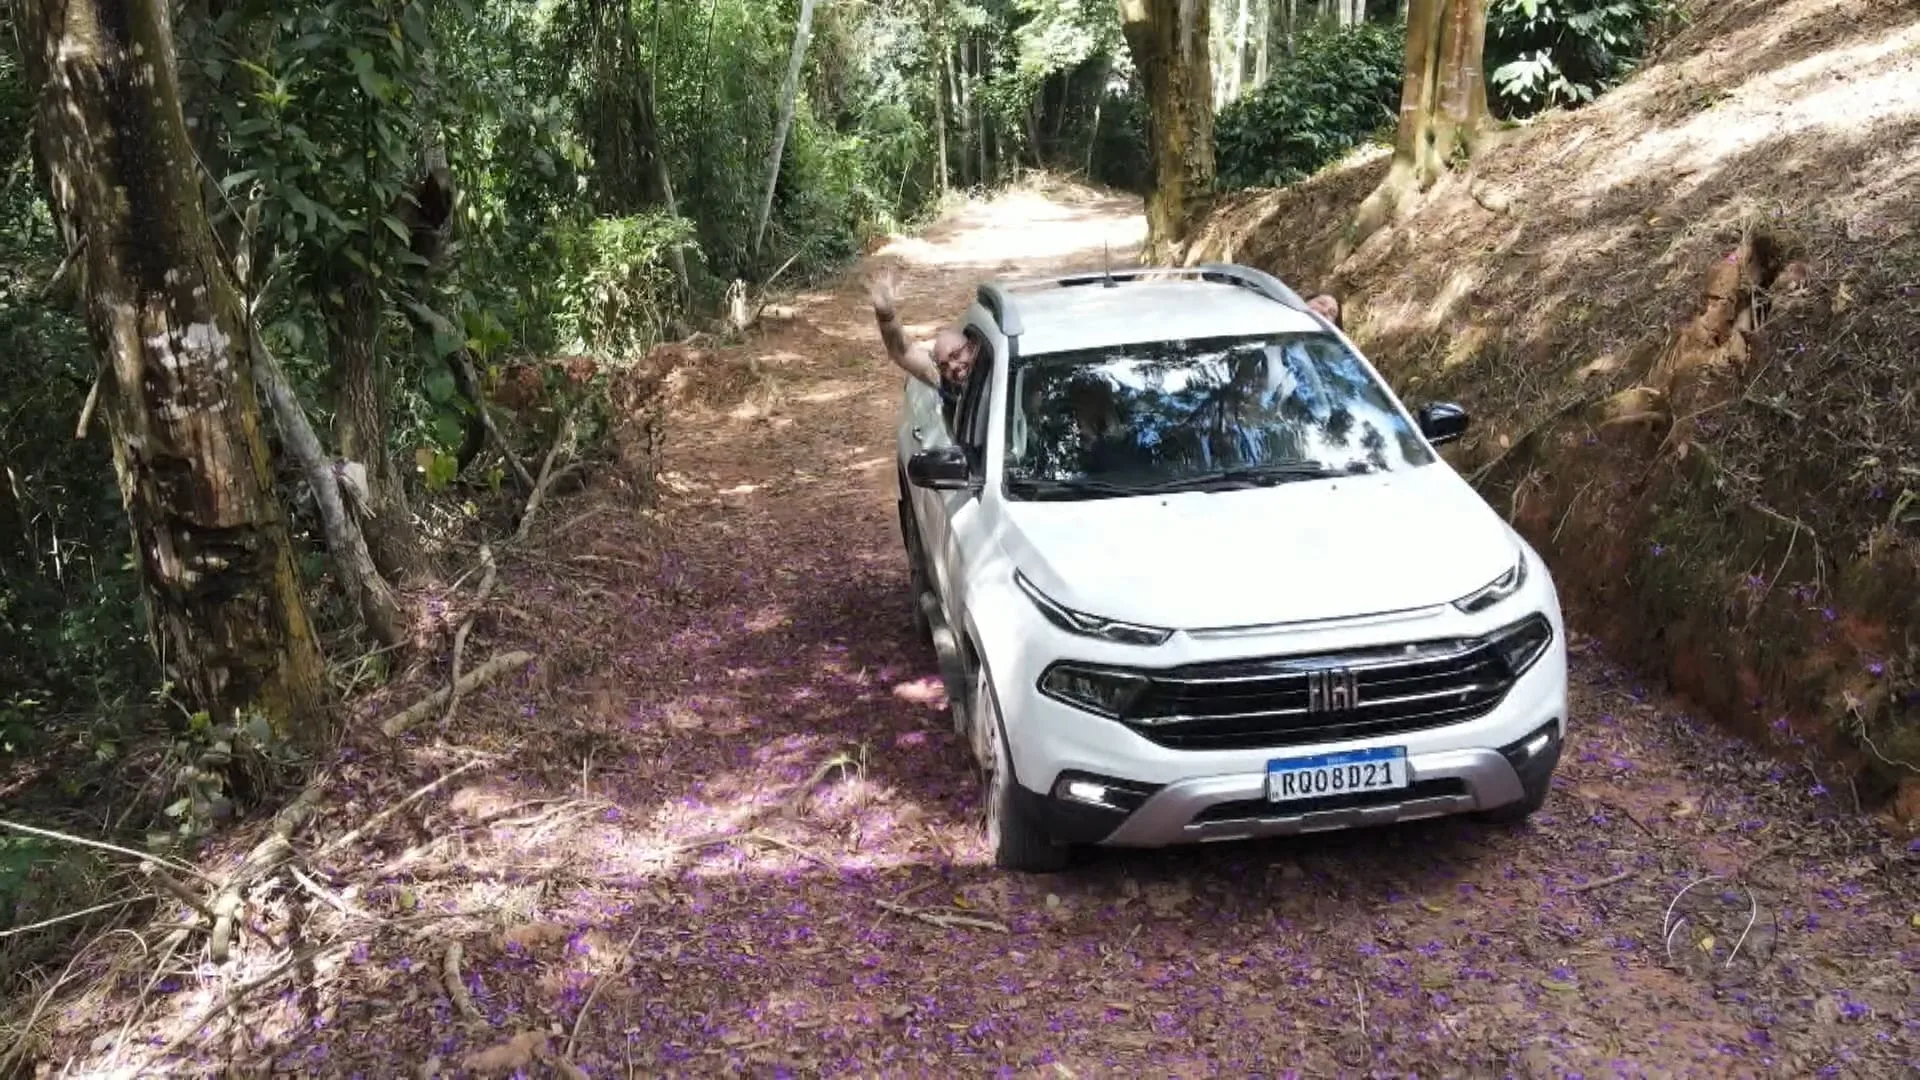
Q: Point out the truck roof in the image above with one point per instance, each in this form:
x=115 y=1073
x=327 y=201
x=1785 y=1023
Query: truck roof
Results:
x=1086 y=312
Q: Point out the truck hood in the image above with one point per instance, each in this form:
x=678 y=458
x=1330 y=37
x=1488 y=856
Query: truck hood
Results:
x=1294 y=552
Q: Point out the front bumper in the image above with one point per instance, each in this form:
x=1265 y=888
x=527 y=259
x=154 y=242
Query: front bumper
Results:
x=1235 y=806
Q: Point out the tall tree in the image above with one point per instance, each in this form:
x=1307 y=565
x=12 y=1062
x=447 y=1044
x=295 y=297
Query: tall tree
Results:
x=1169 y=41
x=1443 y=109
x=789 y=90
x=170 y=326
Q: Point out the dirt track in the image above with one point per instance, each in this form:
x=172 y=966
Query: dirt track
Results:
x=694 y=690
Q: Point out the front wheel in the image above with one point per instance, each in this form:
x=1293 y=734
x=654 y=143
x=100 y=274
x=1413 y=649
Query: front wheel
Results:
x=917 y=585
x=1016 y=836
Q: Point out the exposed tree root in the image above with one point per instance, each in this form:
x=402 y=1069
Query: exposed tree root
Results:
x=485 y=673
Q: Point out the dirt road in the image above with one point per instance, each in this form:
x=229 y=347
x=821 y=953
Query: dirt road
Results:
x=1680 y=908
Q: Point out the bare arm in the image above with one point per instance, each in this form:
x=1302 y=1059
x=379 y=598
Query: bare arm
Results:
x=916 y=359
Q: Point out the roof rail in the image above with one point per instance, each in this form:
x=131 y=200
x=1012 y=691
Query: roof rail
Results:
x=1258 y=280
x=993 y=296
x=997 y=296
x=1244 y=277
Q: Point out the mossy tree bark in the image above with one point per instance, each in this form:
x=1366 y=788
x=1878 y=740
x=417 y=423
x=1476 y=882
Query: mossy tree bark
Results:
x=223 y=598
x=1169 y=40
x=1443 y=109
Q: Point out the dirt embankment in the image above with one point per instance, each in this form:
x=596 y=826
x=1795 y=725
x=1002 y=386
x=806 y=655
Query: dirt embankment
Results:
x=1684 y=319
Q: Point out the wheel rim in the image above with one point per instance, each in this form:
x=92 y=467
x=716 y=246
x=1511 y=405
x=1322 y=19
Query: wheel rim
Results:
x=994 y=764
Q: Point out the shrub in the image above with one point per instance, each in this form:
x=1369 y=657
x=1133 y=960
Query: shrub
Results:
x=1339 y=89
x=1544 y=53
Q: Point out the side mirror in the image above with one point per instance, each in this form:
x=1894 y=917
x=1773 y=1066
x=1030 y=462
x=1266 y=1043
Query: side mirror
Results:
x=943 y=468
x=1442 y=422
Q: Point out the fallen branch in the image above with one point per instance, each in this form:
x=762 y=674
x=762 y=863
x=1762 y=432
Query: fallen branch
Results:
x=1600 y=883
x=101 y=845
x=420 y=710
x=463 y=369
x=172 y=887
x=457 y=985
x=944 y=922
x=72 y=915
x=791 y=807
x=560 y=439
x=376 y=820
x=245 y=990
x=365 y=588
x=581 y=1016
x=92 y=402
x=267 y=857
x=466 y=627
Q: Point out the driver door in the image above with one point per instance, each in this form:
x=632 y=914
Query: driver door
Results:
x=959 y=512
x=925 y=430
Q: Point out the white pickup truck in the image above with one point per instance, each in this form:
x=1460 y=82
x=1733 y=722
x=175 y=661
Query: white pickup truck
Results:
x=1193 y=573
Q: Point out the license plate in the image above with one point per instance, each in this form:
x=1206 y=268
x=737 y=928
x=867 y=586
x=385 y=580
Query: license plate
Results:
x=1380 y=769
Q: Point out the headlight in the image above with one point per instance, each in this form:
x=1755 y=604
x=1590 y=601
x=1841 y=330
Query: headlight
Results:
x=1496 y=590
x=1522 y=643
x=1096 y=690
x=1075 y=622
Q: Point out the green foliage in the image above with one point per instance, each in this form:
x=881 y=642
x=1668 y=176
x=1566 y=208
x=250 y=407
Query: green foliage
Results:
x=616 y=287
x=1546 y=53
x=1340 y=88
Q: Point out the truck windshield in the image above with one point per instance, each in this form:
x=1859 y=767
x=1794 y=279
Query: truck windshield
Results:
x=1200 y=414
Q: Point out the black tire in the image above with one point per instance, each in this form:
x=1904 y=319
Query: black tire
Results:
x=1518 y=811
x=916 y=567
x=1018 y=840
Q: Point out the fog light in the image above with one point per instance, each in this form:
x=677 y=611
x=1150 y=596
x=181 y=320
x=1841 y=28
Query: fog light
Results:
x=1087 y=792
x=1538 y=743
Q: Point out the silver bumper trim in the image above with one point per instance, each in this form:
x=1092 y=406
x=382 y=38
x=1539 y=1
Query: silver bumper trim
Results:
x=1168 y=817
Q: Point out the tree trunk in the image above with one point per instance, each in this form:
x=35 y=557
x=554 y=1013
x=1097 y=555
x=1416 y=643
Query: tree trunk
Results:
x=1168 y=39
x=361 y=423
x=788 y=91
x=1237 y=71
x=940 y=135
x=980 y=107
x=1443 y=109
x=958 y=88
x=660 y=172
x=1263 y=49
x=217 y=567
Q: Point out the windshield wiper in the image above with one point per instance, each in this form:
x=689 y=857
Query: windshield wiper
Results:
x=1079 y=487
x=1262 y=475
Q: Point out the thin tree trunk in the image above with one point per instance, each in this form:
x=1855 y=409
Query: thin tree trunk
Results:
x=980 y=106
x=660 y=171
x=788 y=91
x=361 y=422
x=1238 y=68
x=958 y=99
x=1168 y=39
x=1443 y=109
x=1099 y=100
x=940 y=135
x=217 y=568
x=706 y=94
x=1263 y=49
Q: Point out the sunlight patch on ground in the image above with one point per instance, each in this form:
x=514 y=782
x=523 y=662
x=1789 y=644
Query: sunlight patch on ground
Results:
x=1844 y=91
x=1021 y=227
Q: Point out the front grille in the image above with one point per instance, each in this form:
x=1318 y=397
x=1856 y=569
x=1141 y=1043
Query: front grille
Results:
x=1257 y=809
x=1266 y=703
